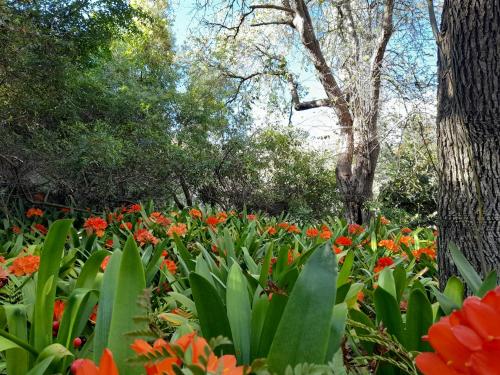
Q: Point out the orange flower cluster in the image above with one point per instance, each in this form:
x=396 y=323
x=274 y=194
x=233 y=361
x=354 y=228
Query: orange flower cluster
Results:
x=158 y=218
x=180 y=229
x=293 y=229
x=325 y=233
x=133 y=208
x=144 y=237
x=95 y=225
x=222 y=216
x=107 y=366
x=212 y=221
x=34 y=212
x=406 y=230
x=430 y=252
x=127 y=225
x=389 y=245
x=312 y=232
x=59 y=306
x=25 y=265
x=355 y=229
x=271 y=230
x=467 y=341
x=115 y=217
x=384 y=221
x=343 y=241
x=169 y=265
x=194 y=213
x=251 y=217
x=40 y=228
x=16 y=230
x=196 y=351
x=383 y=263
x=407 y=240
x=283 y=225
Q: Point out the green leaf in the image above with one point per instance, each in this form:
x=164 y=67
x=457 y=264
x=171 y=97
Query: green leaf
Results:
x=388 y=312
x=364 y=319
x=90 y=269
x=304 y=330
x=264 y=271
x=105 y=308
x=400 y=281
x=50 y=260
x=131 y=284
x=273 y=317
x=16 y=358
x=41 y=367
x=6 y=344
x=211 y=311
x=418 y=320
x=184 y=253
x=345 y=271
x=386 y=282
x=238 y=312
x=489 y=283
x=464 y=267
x=259 y=311
x=337 y=328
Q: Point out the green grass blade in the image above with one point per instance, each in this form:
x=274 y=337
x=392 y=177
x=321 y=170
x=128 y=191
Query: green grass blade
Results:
x=17 y=358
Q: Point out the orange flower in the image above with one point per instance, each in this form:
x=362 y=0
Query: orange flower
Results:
x=383 y=263
x=325 y=234
x=194 y=213
x=105 y=262
x=221 y=216
x=283 y=225
x=293 y=229
x=95 y=225
x=467 y=341
x=40 y=228
x=33 y=212
x=107 y=366
x=170 y=265
x=158 y=218
x=355 y=229
x=134 y=208
x=16 y=230
x=361 y=296
x=212 y=221
x=59 y=306
x=389 y=245
x=144 y=236
x=290 y=257
x=251 y=217
x=406 y=231
x=384 y=221
x=65 y=209
x=93 y=315
x=343 y=241
x=407 y=240
x=430 y=252
x=126 y=225
x=109 y=243
x=271 y=230
x=179 y=229
x=312 y=232
x=336 y=250
x=25 y=265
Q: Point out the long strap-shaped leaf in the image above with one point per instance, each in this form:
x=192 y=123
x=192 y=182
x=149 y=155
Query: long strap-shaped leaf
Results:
x=50 y=260
x=131 y=283
x=304 y=330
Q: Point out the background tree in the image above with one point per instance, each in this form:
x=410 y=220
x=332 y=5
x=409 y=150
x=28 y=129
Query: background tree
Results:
x=468 y=129
x=346 y=45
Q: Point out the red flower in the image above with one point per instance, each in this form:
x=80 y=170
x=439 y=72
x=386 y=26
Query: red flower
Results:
x=65 y=210
x=16 y=230
x=109 y=243
x=170 y=265
x=104 y=263
x=134 y=208
x=251 y=217
x=212 y=221
x=95 y=225
x=41 y=228
x=467 y=341
x=180 y=229
x=144 y=237
x=355 y=229
x=33 y=212
x=271 y=230
x=383 y=263
x=59 y=306
x=343 y=241
x=312 y=232
x=126 y=225
x=406 y=231
x=25 y=265
x=194 y=213
x=158 y=218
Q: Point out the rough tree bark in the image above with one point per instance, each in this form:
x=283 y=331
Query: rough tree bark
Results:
x=468 y=127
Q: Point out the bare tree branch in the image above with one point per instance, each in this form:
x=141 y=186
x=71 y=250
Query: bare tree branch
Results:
x=434 y=25
x=271 y=6
x=302 y=106
x=277 y=22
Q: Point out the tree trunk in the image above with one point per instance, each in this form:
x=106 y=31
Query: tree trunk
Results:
x=468 y=127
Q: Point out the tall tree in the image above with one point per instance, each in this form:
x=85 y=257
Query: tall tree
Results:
x=468 y=125
x=358 y=32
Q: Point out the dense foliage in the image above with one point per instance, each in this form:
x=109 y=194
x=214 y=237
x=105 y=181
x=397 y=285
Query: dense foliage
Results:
x=224 y=289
